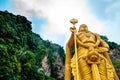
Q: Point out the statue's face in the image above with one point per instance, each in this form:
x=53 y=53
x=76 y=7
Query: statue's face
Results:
x=83 y=27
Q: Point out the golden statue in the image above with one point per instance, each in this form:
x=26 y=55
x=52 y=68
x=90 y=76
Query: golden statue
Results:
x=90 y=60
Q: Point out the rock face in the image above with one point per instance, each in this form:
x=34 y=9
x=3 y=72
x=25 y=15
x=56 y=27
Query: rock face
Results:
x=59 y=65
x=55 y=68
x=46 y=66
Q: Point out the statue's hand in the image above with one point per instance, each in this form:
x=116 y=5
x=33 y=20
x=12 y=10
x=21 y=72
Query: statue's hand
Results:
x=102 y=49
x=73 y=29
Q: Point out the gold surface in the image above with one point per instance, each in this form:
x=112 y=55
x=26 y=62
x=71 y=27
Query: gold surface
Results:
x=90 y=60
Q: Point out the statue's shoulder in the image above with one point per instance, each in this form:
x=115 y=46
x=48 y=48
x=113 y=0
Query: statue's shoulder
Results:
x=96 y=34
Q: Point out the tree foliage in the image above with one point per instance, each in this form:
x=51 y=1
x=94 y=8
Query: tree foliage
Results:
x=21 y=50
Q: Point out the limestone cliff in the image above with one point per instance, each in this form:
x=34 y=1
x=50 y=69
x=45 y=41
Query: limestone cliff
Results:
x=56 y=69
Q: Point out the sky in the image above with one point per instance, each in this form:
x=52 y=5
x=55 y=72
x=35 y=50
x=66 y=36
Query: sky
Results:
x=51 y=18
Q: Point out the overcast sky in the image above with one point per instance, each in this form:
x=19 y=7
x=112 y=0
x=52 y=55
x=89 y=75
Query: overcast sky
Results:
x=50 y=18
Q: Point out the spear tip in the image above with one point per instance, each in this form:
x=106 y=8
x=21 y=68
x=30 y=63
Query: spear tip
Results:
x=73 y=21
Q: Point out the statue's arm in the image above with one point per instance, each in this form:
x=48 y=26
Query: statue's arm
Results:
x=69 y=45
x=97 y=39
x=70 y=42
x=103 y=46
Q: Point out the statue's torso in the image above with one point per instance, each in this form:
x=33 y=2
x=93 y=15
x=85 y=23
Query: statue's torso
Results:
x=86 y=38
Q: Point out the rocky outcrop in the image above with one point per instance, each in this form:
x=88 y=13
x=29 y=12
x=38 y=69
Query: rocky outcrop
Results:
x=55 y=68
x=58 y=63
x=46 y=66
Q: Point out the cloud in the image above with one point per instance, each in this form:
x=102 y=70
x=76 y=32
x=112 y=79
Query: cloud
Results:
x=113 y=20
x=107 y=12
x=113 y=11
x=58 y=14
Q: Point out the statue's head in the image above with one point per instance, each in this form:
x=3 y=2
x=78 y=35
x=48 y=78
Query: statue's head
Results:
x=83 y=27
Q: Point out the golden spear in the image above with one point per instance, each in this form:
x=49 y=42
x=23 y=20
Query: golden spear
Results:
x=74 y=21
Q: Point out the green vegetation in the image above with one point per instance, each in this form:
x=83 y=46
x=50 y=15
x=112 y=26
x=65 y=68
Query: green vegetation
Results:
x=21 y=50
